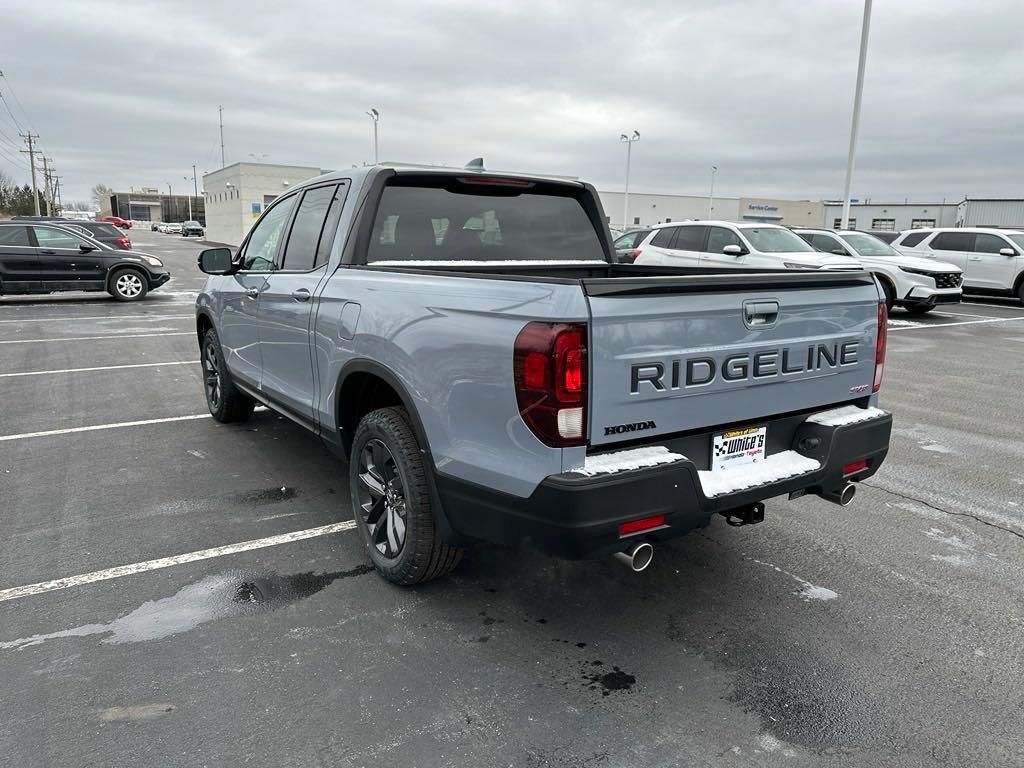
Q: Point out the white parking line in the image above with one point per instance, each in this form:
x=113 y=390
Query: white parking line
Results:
x=98 y=317
x=97 y=368
x=950 y=325
x=98 y=427
x=95 y=338
x=166 y=562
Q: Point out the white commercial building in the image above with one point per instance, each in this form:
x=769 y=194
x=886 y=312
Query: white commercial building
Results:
x=646 y=209
x=237 y=195
x=892 y=217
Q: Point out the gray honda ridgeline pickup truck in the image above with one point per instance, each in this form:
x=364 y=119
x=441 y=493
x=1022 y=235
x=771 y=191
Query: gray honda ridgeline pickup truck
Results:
x=467 y=342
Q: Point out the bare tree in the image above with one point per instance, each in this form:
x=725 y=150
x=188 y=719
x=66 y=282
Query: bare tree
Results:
x=101 y=195
x=79 y=205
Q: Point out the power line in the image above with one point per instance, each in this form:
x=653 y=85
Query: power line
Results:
x=17 y=100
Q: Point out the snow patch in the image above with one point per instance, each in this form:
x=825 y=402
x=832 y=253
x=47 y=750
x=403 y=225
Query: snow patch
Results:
x=622 y=461
x=808 y=591
x=936 y=447
x=848 y=414
x=776 y=467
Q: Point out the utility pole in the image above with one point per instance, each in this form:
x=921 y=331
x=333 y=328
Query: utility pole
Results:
x=861 y=64
x=195 y=184
x=220 y=111
x=28 y=137
x=711 y=197
x=375 y=117
x=47 y=198
x=56 y=184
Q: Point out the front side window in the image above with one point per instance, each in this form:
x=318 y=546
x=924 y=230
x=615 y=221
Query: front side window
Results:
x=952 y=241
x=719 y=237
x=300 y=253
x=985 y=243
x=261 y=249
x=775 y=240
x=824 y=243
x=55 y=238
x=449 y=219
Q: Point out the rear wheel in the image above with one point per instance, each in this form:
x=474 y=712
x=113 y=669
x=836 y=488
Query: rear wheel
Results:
x=128 y=285
x=391 y=501
x=227 y=403
x=920 y=309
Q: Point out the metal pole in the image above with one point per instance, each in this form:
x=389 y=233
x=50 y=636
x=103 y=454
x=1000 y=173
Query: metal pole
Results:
x=46 y=187
x=711 y=197
x=195 y=184
x=220 y=111
x=376 y=145
x=865 y=28
x=629 y=154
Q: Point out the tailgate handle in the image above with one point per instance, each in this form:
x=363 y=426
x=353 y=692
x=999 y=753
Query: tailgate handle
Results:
x=760 y=313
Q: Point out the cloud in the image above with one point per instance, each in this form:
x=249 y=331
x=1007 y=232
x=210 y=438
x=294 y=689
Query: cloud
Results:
x=127 y=94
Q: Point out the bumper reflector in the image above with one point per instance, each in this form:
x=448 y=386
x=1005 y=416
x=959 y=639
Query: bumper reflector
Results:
x=855 y=467
x=643 y=524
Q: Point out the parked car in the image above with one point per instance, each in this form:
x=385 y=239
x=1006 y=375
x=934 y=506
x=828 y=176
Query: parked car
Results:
x=47 y=257
x=726 y=245
x=192 y=228
x=117 y=221
x=991 y=259
x=626 y=244
x=154 y=227
x=915 y=284
x=172 y=228
x=526 y=388
x=106 y=233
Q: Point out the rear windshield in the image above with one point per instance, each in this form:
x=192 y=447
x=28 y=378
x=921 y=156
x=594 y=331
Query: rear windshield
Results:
x=105 y=229
x=775 y=240
x=449 y=220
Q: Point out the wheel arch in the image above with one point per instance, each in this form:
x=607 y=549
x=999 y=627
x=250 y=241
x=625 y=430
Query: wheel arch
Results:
x=117 y=266
x=203 y=324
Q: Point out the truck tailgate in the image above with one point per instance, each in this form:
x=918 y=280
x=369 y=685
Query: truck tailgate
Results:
x=672 y=354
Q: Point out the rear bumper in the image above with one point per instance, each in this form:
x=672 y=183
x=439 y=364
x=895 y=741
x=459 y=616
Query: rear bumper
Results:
x=575 y=516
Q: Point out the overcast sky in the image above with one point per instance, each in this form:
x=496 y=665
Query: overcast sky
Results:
x=126 y=93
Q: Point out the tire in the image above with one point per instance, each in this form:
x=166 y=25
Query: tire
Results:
x=1020 y=292
x=128 y=284
x=227 y=403
x=391 y=501
x=919 y=309
x=890 y=295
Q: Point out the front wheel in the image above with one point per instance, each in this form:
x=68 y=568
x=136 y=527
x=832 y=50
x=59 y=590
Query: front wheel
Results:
x=128 y=285
x=227 y=403
x=391 y=501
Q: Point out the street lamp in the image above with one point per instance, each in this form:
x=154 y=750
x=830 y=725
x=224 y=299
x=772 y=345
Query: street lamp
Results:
x=375 y=117
x=628 y=141
x=711 y=196
x=855 y=125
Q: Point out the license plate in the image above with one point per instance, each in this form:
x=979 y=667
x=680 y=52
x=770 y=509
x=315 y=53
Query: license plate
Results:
x=738 y=447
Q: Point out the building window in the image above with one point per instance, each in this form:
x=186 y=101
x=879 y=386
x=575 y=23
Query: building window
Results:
x=883 y=225
x=636 y=219
x=922 y=223
x=838 y=224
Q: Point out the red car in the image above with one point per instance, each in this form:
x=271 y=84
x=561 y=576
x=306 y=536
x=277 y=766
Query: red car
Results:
x=117 y=221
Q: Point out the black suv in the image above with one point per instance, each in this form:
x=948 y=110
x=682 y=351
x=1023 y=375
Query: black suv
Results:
x=45 y=257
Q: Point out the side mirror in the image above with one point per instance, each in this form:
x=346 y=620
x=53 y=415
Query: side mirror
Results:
x=216 y=261
x=84 y=248
x=1007 y=252
x=733 y=250
x=840 y=252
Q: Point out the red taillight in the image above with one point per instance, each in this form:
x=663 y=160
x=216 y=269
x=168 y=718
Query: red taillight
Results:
x=633 y=255
x=495 y=181
x=125 y=243
x=854 y=467
x=643 y=524
x=883 y=337
x=550 y=372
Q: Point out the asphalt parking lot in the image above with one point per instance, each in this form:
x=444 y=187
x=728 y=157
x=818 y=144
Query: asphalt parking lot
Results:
x=884 y=634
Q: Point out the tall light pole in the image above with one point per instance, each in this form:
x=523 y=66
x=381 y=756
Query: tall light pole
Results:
x=865 y=28
x=628 y=141
x=375 y=117
x=194 y=189
x=711 y=195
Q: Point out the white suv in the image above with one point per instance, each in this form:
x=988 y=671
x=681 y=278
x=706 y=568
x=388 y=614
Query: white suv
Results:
x=990 y=258
x=727 y=245
x=914 y=283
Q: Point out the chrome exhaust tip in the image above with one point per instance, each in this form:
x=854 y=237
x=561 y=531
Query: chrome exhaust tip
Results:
x=843 y=497
x=637 y=557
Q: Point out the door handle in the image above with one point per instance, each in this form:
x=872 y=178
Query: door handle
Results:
x=48 y=253
x=974 y=258
x=760 y=313
x=252 y=293
x=300 y=294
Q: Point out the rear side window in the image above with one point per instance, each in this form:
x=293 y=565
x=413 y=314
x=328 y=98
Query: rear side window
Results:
x=14 y=236
x=984 y=243
x=909 y=241
x=665 y=237
x=447 y=219
x=953 y=241
x=300 y=253
x=690 y=239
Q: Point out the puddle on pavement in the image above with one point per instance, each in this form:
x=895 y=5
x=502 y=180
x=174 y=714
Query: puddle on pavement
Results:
x=234 y=593
x=266 y=495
